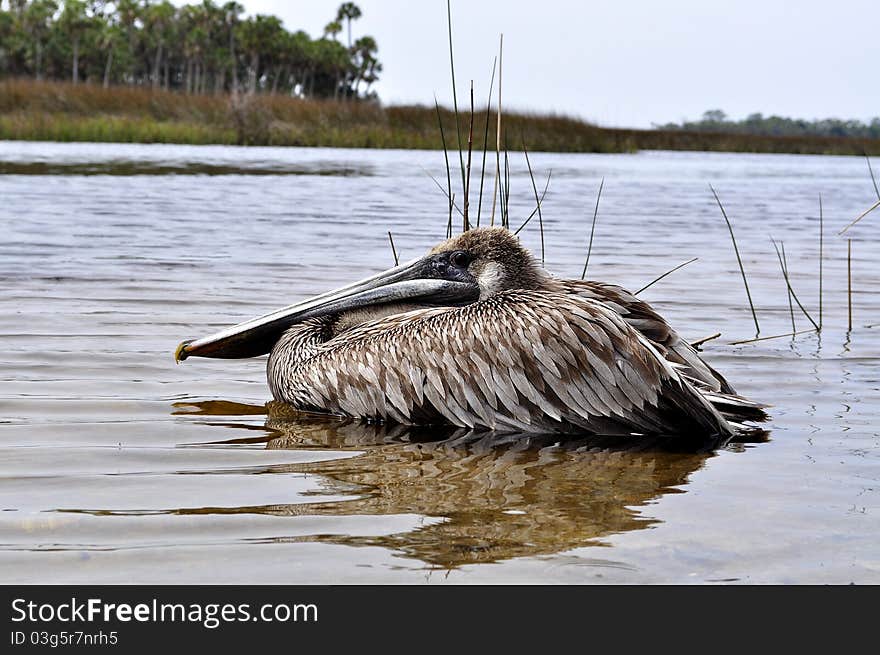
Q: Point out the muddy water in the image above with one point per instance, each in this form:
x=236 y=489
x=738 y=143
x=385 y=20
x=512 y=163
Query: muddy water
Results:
x=118 y=466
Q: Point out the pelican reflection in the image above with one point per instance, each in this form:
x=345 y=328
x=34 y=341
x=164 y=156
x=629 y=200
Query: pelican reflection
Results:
x=491 y=497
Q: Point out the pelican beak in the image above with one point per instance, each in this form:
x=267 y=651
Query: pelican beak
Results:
x=414 y=281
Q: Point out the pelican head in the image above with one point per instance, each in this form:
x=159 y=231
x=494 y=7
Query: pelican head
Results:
x=472 y=266
x=493 y=259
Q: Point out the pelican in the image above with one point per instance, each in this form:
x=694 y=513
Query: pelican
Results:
x=477 y=334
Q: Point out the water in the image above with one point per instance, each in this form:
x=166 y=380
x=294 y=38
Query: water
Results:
x=116 y=465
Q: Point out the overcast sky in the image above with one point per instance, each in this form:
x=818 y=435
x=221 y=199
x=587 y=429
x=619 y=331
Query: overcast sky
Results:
x=625 y=62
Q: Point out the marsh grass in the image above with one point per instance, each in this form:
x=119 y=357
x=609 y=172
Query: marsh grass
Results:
x=59 y=111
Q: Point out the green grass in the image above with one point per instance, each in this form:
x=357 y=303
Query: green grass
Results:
x=57 y=111
x=116 y=129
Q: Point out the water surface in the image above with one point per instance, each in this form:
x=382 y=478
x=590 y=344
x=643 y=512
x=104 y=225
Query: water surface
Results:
x=118 y=466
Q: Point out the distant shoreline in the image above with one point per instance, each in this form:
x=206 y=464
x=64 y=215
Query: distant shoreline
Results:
x=60 y=111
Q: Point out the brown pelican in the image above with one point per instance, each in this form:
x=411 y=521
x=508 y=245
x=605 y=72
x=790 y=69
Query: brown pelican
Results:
x=476 y=334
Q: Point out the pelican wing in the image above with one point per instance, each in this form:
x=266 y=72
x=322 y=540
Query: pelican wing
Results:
x=520 y=360
x=643 y=318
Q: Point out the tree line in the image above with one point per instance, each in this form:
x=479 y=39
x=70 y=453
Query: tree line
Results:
x=716 y=120
x=194 y=48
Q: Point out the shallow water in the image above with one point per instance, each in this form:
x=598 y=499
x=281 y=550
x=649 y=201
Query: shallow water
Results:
x=118 y=466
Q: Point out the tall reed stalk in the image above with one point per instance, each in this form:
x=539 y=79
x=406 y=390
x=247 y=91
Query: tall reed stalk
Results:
x=860 y=217
x=535 y=210
x=784 y=264
x=449 y=193
x=775 y=336
x=486 y=140
x=498 y=131
x=455 y=95
x=873 y=179
x=669 y=272
x=742 y=270
x=821 y=256
x=393 y=249
x=467 y=183
x=593 y=228
x=849 y=281
x=537 y=199
x=790 y=288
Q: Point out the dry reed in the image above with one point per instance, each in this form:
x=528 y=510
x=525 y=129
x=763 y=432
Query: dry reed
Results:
x=860 y=217
x=593 y=228
x=742 y=270
x=821 y=256
x=455 y=96
x=775 y=336
x=790 y=288
x=535 y=210
x=699 y=342
x=849 y=281
x=467 y=183
x=498 y=130
x=784 y=264
x=449 y=193
x=537 y=200
x=486 y=140
x=669 y=272
x=871 y=173
x=393 y=249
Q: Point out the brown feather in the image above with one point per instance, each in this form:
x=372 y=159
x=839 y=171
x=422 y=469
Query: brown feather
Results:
x=605 y=377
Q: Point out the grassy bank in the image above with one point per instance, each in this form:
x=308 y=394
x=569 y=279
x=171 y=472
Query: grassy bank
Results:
x=56 y=111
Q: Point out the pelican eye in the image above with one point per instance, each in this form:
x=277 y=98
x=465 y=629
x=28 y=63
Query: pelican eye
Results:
x=460 y=259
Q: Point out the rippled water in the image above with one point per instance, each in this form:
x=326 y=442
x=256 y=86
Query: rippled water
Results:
x=116 y=465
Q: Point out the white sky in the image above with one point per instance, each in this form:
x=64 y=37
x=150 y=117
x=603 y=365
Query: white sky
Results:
x=625 y=62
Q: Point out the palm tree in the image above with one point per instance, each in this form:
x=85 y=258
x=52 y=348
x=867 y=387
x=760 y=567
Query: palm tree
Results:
x=9 y=45
x=108 y=40
x=348 y=11
x=297 y=54
x=364 y=55
x=275 y=46
x=128 y=12
x=255 y=36
x=74 y=22
x=158 y=23
x=232 y=17
x=371 y=76
x=37 y=19
x=189 y=47
x=332 y=28
x=331 y=64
